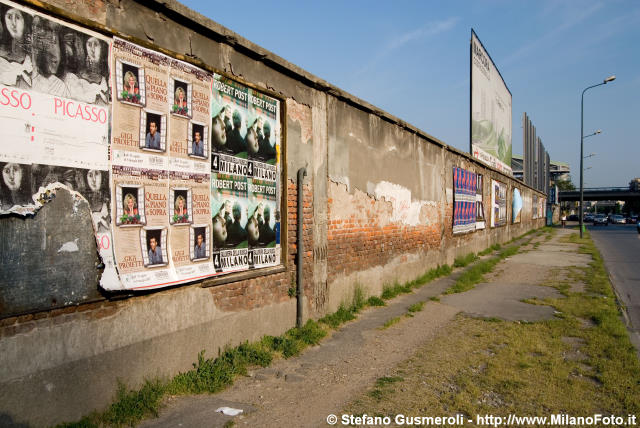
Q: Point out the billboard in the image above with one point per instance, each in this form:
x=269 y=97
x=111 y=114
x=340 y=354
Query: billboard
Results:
x=490 y=111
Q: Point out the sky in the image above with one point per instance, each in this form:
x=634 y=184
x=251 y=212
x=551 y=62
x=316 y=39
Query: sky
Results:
x=411 y=59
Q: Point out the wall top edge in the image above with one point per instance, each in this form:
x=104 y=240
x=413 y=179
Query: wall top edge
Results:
x=188 y=16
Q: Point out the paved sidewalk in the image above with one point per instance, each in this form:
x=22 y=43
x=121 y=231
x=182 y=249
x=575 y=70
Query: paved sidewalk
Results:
x=302 y=391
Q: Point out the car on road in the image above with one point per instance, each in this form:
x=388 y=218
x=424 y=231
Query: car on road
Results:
x=600 y=219
x=617 y=219
x=574 y=217
x=638 y=227
x=632 y=219
x=588 y=218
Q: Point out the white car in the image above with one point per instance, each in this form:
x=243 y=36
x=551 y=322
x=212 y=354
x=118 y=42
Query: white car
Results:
x=617 y=219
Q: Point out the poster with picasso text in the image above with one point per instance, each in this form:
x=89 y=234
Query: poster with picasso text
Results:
x=54 y=112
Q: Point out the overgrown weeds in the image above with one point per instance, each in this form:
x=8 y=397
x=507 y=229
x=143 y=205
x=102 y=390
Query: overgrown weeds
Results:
x=416 y=307
x=213 y=374
x=390 y=322
x=579 y=363
x=491 y=249
x=463 y=261
x=475 y=274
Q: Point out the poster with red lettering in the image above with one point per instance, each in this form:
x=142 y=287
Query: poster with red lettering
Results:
x=54 y=107
x=54 y=115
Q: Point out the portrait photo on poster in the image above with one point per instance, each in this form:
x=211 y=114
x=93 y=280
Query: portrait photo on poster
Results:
x=130 y=84
x=260 y=141
x=229 y=222
x=181 y=98
x=198 y=145
x=229 y=125
x=180 y=211
x=154 y=251
x=15 y=188
x=199 y=235
x=130 y=205
x=50 y=57
x=261 y=225
x=153 y=131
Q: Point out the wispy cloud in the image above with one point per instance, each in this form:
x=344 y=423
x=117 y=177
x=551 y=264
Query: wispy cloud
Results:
x=429 y=30
x=615 y=26
x=579 y=16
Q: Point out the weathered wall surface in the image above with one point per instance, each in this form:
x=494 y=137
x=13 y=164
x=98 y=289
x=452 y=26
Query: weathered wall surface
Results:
x=378 y=207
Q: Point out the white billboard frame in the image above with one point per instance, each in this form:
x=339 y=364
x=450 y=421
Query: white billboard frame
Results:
x=491 y=123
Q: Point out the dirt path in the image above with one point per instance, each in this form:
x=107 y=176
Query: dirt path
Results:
x=303 y=391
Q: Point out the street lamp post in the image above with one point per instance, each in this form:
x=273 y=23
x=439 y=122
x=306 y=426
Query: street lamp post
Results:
x=582 y=137
x=599 y=131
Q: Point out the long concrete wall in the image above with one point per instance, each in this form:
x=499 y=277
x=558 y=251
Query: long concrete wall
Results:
x=378 y=207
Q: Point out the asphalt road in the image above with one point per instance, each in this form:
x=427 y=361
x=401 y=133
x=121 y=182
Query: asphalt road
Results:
x=620 y=248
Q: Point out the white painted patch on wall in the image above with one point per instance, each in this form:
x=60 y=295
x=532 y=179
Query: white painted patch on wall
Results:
x=69 y=247
x=340 y=180
x=405 y=210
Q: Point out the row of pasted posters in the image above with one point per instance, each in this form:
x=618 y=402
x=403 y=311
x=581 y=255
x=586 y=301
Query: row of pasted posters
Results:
x=468 y=206
x=180 y=167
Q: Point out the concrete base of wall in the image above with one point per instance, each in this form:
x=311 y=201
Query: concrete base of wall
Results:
x=71 y=390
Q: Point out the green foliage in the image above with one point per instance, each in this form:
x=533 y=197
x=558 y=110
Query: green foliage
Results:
x=339 y=317
x=212 y=375
x=390 y=322
x=463 y=261
x=416 y=307
x=132 y=406
x=565 y=185
x=295 y=340
x=476 y=273
x=359 y=299
x=387 y=380
x=375 y=301
x=391 y=291
x=494 y=247
x=430 y=275
x=347 y=311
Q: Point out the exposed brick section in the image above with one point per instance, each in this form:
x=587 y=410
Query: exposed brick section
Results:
x=361 y=240
x=261 y=291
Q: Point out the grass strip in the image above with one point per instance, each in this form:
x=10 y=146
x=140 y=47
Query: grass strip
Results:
x=390 y=322
x=416 y=307
x=475 y=274
x=465 y=260
x=579 y=363
x=211 y=375
x=491 y=249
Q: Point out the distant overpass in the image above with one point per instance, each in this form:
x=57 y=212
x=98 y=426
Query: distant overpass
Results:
x=600 y=194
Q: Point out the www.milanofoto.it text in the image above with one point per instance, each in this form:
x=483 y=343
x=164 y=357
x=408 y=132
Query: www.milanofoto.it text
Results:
x=556 y=419
x=487 y=420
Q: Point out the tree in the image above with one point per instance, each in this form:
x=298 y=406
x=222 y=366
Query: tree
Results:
x=565 y=184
